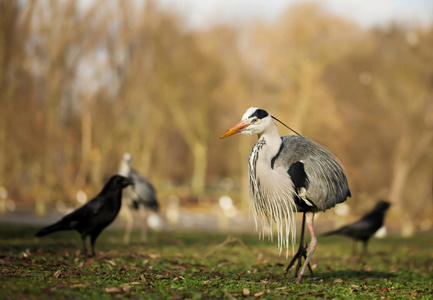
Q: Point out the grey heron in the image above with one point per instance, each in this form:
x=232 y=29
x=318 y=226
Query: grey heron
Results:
x=141 y=194
x=91 y=218
x=367 y=226
x=286 y=175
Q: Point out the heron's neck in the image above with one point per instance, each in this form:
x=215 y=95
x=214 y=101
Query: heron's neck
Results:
x=272 y=142
x=124 y=169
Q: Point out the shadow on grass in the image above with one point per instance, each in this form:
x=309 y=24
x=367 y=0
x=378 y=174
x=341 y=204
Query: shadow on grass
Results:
x=354 y=274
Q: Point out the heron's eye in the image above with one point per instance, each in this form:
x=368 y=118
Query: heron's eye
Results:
x=254 y=120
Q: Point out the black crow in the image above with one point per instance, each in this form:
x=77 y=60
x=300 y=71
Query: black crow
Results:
x=141 y=194
x=363 y=229
x=91 y=218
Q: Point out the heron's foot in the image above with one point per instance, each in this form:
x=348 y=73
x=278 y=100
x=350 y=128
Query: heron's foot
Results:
x=302 y=252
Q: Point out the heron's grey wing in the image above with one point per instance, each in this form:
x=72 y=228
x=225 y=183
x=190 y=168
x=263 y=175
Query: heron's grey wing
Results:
x=326 y=183
x=143 y=189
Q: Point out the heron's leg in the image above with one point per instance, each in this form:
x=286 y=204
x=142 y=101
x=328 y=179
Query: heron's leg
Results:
x=143 y=221
x=302 y=252
x=313 y=245
x=129 y=224
x=83 y=238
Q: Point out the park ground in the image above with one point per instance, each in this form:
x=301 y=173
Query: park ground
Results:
x=207 y=265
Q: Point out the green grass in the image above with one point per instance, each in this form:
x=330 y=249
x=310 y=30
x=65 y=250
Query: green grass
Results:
x=179 y=265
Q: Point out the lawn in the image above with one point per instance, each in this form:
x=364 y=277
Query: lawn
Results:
x=203 y=265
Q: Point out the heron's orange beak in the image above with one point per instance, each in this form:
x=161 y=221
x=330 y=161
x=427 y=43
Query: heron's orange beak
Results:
x=236 y=129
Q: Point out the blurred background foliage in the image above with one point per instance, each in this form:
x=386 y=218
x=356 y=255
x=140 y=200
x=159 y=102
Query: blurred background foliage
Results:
x=82 y=84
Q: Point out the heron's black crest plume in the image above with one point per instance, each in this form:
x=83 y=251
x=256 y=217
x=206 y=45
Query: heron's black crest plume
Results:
x=285 y=125
x=260 y=113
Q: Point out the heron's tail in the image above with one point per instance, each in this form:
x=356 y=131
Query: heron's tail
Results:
x=153 y=204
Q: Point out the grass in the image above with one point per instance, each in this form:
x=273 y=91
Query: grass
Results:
x=202 y=265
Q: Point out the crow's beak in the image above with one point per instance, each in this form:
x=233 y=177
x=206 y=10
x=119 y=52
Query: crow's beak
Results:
x=128 y=182
x=236 y=129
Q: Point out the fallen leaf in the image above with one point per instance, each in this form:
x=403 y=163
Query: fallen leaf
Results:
x=111 y=262
x=328 y=268
x=245 y=292
x=178 y=278
x=74 y=281
x=281 y=288
x=367 y=268
x=393 y=269
x=88 y=262
x=228 y=295
x=113 y=289
x=259 y=294
x=154 y=255
x=143 y=279
x=339 y=280
x=176 y=297
x=57 y=274
x=126 y=288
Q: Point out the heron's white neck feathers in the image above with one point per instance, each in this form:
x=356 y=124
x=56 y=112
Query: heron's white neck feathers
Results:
x=273 y=142
x=125 y=168
x=271 y=193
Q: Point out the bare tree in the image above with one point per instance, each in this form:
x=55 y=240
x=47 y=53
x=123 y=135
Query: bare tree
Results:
x=403 y=87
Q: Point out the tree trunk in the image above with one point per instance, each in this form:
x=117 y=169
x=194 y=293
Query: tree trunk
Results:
x=399 y=178
x=2 y=151
x=308 y=75
x=86 y=145
x=408 y=153
x=199 y=151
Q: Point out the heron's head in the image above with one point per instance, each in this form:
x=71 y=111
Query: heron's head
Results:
x=127 y=158
x=254 y=121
